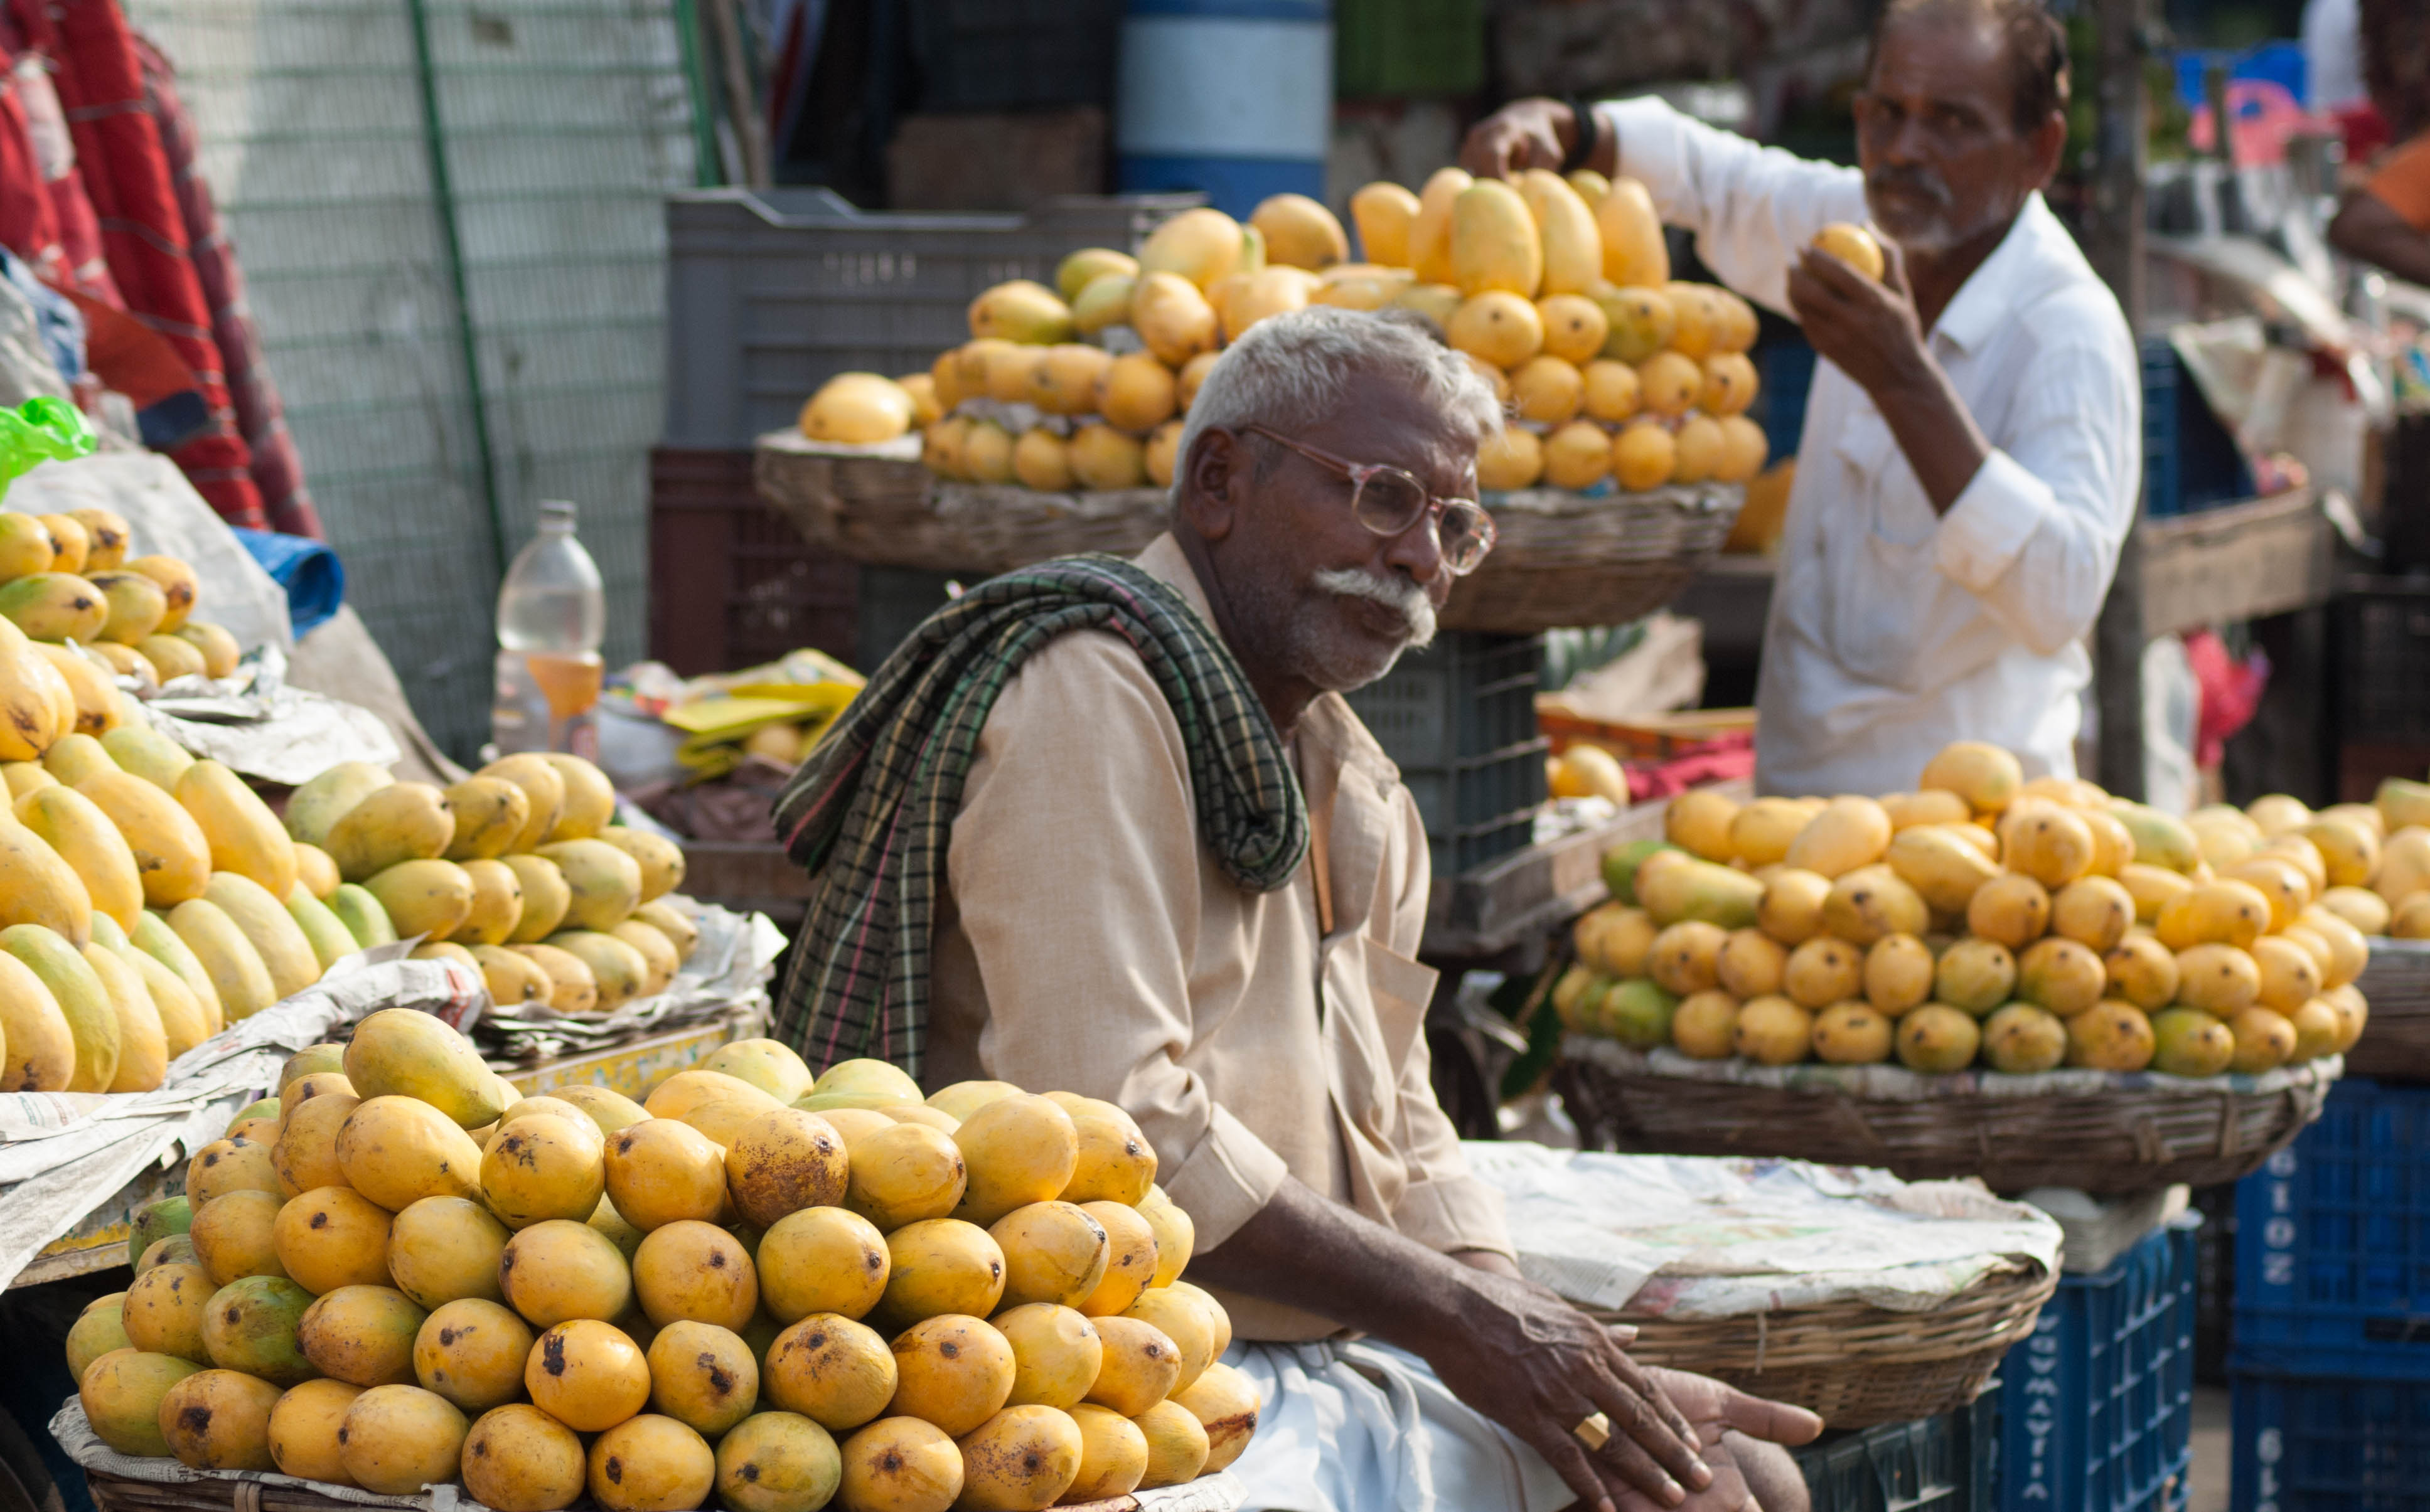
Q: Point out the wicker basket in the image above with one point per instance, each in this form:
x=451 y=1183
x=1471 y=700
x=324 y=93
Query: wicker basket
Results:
x=118 y=1493
x=1853 y=1363
x=1562 y=559
x=2395 y=1044
x=2129 y=1137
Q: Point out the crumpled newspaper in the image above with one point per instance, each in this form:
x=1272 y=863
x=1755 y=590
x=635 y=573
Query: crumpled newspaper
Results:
x=1219 y=1492
x=730 y=969
x=254 y=722
x=1899 y=1085
x=62 y=1154
x=1698 y=1237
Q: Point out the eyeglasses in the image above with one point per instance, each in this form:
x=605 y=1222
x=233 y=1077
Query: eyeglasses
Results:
x=1389 y=501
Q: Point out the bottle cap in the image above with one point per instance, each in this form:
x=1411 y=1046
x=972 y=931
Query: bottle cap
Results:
x=556 y=512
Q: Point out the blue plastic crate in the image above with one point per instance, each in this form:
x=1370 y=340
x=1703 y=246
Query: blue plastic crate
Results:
x=2313 y=1445
x=2098 y=1403
x=2190 y=462
x=1949 y=1463
x=2333 y=1243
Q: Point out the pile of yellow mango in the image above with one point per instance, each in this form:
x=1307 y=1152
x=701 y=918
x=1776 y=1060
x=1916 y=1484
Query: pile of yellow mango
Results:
x=1984 y=919
x=1558 y=290
x=754 y=1287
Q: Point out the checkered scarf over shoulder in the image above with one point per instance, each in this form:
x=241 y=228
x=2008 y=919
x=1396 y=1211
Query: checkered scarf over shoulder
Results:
x=871 y=811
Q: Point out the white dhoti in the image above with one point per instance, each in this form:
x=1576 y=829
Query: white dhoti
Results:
x=1360 y=1427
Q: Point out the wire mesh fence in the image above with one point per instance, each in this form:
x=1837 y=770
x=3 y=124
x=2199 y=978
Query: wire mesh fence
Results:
x=449 y=217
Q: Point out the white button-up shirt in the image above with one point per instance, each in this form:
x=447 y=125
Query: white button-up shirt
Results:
x=1894 y=630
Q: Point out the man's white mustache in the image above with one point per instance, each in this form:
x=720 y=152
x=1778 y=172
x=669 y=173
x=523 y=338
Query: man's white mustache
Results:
x=1399 y=594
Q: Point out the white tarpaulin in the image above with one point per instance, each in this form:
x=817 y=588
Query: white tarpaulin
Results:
x=1693 y=1236
x=60 y=1154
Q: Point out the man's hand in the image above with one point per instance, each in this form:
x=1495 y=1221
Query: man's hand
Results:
x=1523 y=134
x=1719 y=1415
x=1869 y=330
x=1871 y=333
x=1530 y=1361
x=1510 y=1349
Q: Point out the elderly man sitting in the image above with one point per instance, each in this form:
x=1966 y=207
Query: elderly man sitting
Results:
x=1177 y=874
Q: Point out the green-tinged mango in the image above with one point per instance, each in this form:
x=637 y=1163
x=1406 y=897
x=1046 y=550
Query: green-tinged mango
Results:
x=153 y=937
x=171 y=657
x=315 y=808
x=40 y=1048
x=77 y=756
x=269 y=928
x=405 y=1053
x=330 y=939
x=143 y=1037
x=403 y=822
x=1700 y=889
x=672 y=922
x=156 y=1221
x=219 y=648
x=606 y=883
x=424 y=897
x=121 y=1393
x=236 y=972
x=1619 y=866
x=92 y=1020
x=55 y=606
x=135 y=606
x=361 y=913
x=2160 y=840
x=252 y=1327
x=147 y=753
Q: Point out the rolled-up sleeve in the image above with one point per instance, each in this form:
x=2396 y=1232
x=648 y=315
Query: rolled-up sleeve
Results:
x=1751 y=207
x=1075 y=868
x=2035 y=536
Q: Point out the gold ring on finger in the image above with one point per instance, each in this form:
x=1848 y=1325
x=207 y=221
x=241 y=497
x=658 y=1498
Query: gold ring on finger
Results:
x=1593 y=1430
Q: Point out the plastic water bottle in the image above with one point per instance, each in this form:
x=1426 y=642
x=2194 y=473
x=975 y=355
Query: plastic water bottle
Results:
x=552 y=616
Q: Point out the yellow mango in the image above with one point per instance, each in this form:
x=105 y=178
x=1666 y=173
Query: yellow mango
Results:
x=314 y=808
x=285 y=951
x=1634 y=252
x=1429 y=249
x=92 y=1021
x=171 y=853
x=244 y=836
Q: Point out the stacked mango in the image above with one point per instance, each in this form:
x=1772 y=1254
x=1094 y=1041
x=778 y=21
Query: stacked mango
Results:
x=1982 y=917
x=1557 y=290
x=515 y=871
x=756 y=1287
x=78 y=609
x=2393 y=898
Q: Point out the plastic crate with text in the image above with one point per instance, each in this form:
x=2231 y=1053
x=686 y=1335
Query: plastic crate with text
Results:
x=1950 y=1463
x=773 y=291
x=2305 y=1444
x=2333 y=1245
x=2097 y=1410
x=1458 y=719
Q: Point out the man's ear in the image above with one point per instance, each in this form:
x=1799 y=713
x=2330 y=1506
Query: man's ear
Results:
x=2048 y=145
x=1212 y=478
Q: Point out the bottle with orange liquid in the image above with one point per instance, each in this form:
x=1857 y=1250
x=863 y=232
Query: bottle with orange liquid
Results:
x=552 y=617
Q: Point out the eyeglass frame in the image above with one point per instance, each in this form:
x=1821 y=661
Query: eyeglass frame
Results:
x=1437 y=508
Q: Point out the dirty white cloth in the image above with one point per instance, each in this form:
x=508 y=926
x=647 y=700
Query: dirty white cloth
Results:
x=1894 y=630
x=1347 y=1425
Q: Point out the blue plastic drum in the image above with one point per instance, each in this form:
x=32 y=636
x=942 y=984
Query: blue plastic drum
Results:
x=1232 y=97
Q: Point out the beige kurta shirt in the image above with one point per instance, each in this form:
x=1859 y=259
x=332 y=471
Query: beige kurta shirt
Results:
x=1089 y=941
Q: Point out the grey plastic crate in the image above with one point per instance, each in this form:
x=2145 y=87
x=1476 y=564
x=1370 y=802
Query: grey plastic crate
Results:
x=1459 y=721
x=771 y=291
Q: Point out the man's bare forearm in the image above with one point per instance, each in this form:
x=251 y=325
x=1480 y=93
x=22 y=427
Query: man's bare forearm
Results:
x=2369 y=229
x=1933 y=429
x=1327 y=1259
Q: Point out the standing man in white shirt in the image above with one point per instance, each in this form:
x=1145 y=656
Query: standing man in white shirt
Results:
x=1973 y=446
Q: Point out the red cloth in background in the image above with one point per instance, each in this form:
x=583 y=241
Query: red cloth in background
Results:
x=2231 y=693
x=1719 y=759
x=262 y=418
x=143 y=235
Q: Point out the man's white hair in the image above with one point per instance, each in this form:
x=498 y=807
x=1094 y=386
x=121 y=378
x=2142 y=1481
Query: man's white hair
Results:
x=1292 y=369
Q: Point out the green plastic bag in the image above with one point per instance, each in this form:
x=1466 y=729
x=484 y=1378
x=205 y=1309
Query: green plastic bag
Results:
x=41 y=430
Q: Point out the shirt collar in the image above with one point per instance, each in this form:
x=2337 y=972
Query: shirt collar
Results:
x=2016 y=273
